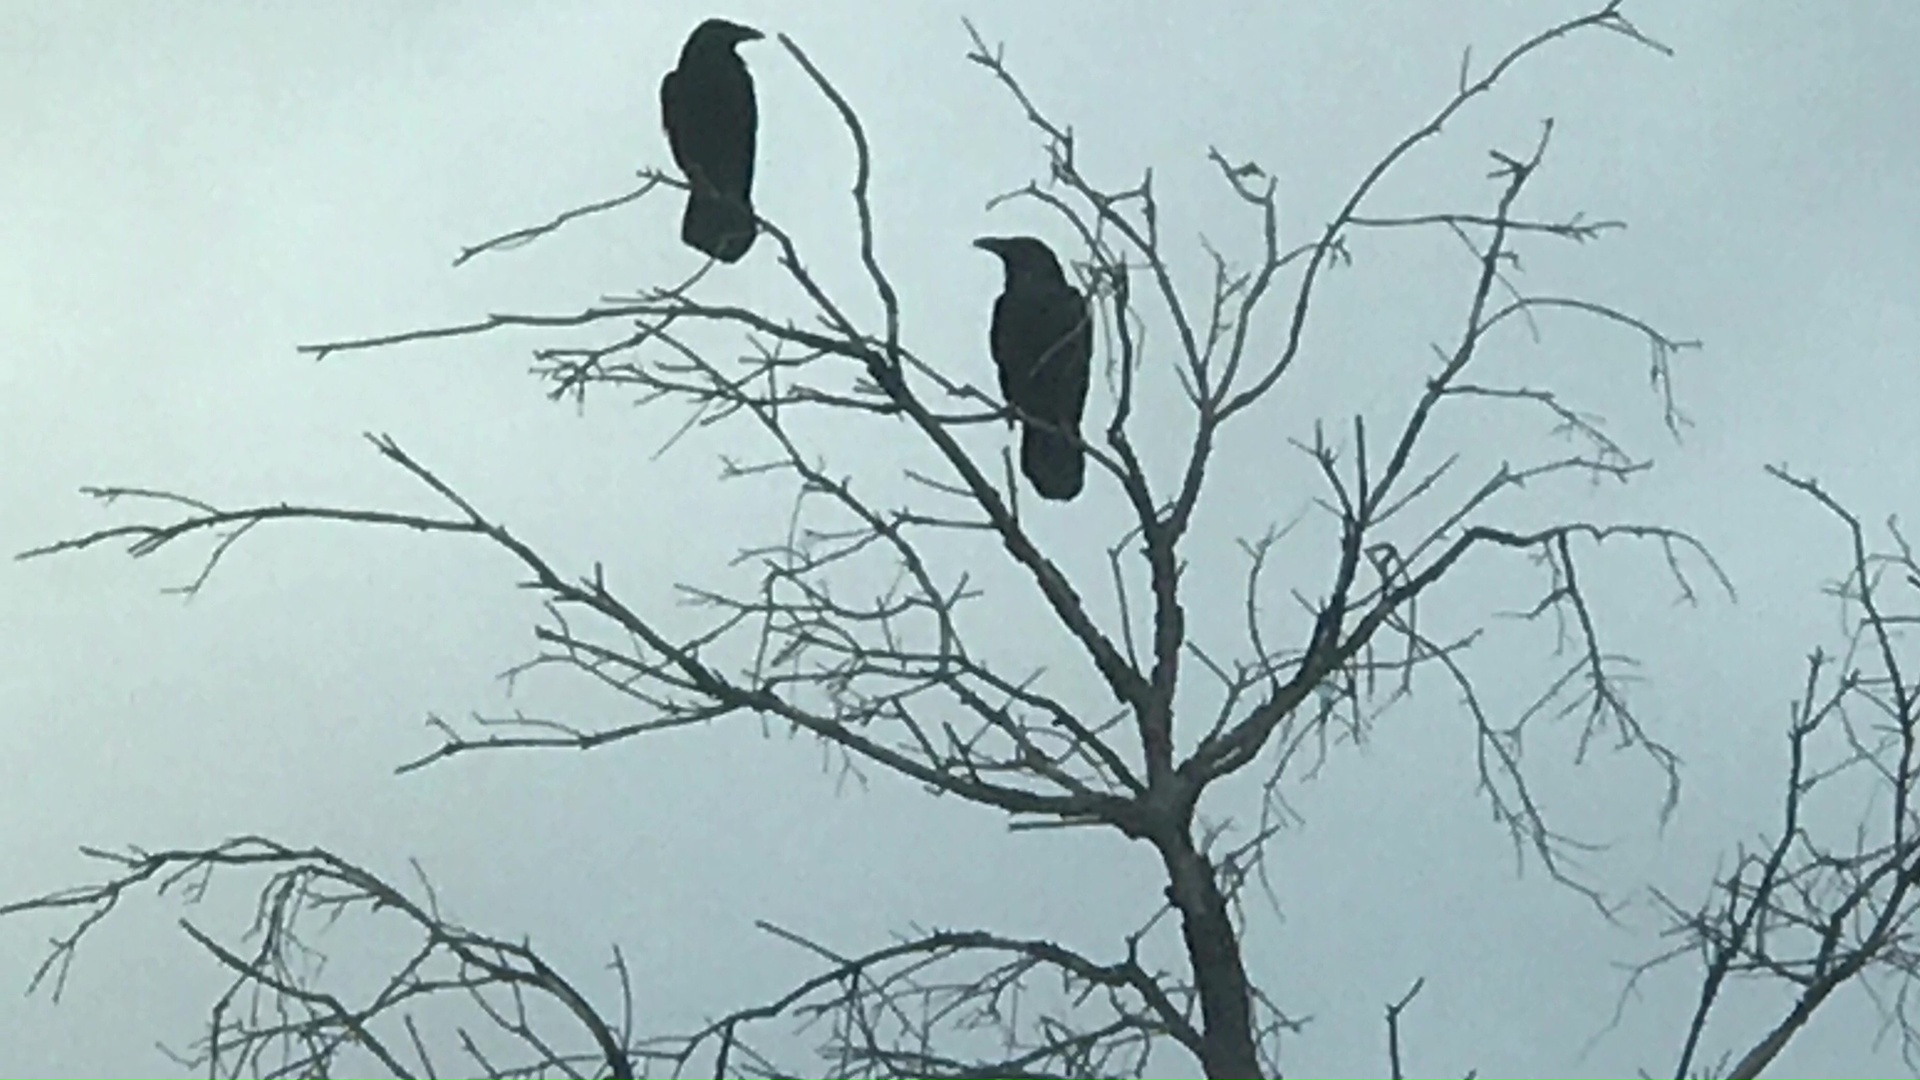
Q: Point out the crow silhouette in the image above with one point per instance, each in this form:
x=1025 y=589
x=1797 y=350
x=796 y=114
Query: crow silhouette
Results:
x=707 y=107
x=1042 y=344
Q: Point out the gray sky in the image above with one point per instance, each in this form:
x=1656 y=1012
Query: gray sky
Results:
x=190 y=190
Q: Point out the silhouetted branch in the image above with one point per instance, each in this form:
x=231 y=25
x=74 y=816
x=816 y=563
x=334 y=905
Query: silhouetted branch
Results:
x=276 y=1018
x=521 y=237
x=1818 y=908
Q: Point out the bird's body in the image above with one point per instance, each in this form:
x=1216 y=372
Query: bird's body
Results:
x=1042 y=343
x=708 y=109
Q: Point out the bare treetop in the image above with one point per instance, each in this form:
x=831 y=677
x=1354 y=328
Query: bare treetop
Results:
x=908 y=679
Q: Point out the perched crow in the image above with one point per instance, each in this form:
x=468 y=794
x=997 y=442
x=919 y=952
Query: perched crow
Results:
x=1042 y=343
x=707 y=107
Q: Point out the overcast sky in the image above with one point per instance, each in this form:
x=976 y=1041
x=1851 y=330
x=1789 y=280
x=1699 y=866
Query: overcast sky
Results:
x=187 y=191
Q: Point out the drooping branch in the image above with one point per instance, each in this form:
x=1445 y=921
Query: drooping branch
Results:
x=276 y=1017
x=884 y=1007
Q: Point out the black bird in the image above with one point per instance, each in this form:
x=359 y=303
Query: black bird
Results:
x=1042 y=342
x=707 y=107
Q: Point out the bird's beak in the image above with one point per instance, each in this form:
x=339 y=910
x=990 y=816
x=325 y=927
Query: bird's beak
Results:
x=988 y=243
x=748 y=33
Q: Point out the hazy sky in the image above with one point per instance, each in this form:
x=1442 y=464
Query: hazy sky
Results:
x=187 y=191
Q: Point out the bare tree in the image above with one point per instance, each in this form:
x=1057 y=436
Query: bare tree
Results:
x=902 y=682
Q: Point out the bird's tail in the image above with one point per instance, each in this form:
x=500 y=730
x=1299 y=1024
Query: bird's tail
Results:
x=720 y=225
x=1053 y=462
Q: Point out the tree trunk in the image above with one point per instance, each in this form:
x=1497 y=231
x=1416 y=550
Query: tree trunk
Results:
x=1226 y=1006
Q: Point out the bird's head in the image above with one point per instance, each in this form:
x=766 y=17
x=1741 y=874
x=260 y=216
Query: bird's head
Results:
x=1024 y=257
x=719 y=35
